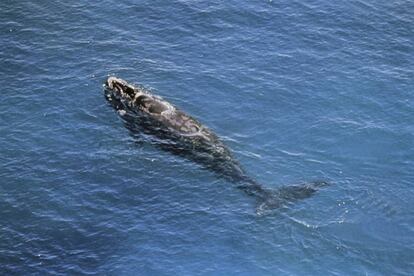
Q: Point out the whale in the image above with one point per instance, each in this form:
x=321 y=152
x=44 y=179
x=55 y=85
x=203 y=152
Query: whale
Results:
x=166 y=126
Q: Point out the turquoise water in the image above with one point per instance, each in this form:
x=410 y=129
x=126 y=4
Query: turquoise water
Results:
x=300 y=90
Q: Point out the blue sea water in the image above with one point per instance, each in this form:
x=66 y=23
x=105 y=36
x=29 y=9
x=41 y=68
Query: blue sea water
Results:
x=299 y=90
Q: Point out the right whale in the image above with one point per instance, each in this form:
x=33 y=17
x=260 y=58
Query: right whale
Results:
x=173 y=130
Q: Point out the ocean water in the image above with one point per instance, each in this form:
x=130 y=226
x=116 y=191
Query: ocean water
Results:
x=299 y=90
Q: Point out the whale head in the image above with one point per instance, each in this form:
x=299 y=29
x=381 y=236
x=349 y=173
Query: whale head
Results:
x=121 y=89
x=122 y=94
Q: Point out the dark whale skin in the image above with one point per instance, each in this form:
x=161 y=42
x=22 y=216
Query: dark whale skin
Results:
x=173 y=130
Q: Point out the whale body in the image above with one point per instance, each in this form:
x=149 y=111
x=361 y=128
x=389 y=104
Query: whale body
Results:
x=171 y=129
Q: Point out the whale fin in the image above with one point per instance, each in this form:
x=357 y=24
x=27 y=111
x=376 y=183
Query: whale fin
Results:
x=273 y=199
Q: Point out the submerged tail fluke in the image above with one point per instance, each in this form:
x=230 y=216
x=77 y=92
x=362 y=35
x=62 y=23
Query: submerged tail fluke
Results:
x=269 y=199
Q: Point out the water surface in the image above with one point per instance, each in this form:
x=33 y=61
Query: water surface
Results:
x=300 y=90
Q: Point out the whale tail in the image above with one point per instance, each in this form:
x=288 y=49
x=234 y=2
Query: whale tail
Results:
x=269 y=199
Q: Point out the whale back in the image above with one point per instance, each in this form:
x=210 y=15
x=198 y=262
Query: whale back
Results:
x=165 y=126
